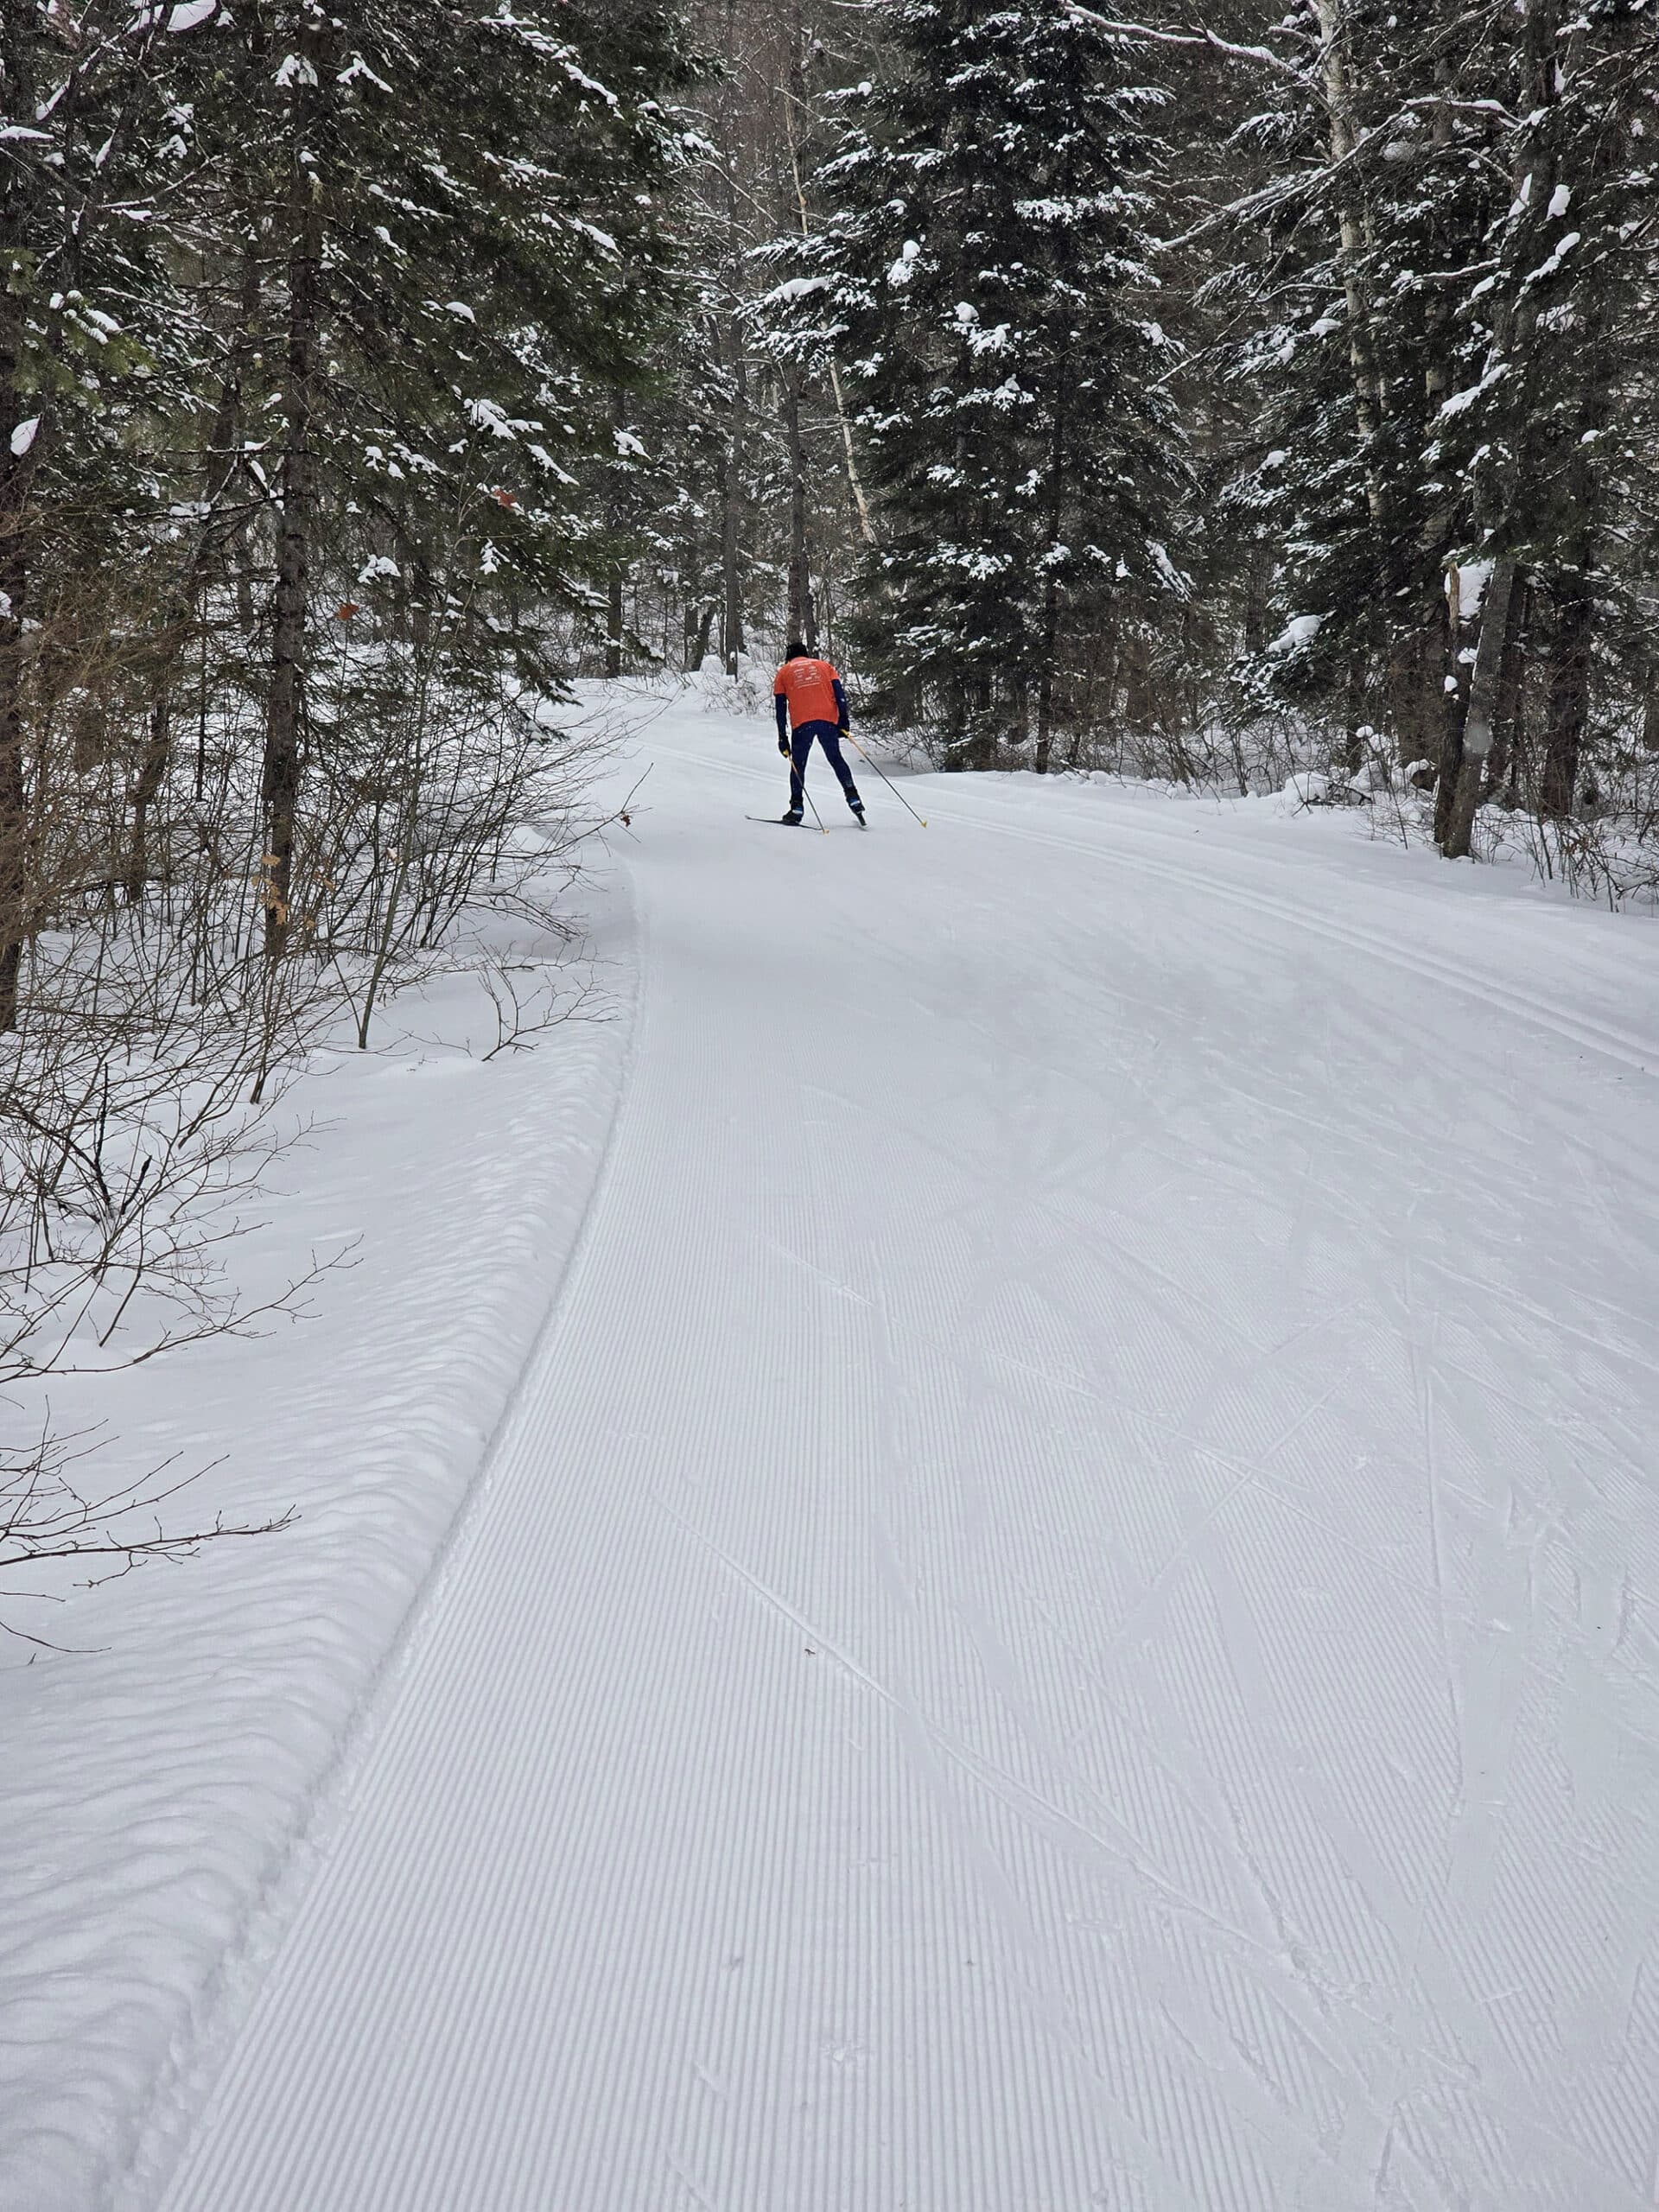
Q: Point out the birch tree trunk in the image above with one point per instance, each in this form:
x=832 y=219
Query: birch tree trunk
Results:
x=1482 y=633
x=794 y=115
x=1354 y=245
x=803 y=615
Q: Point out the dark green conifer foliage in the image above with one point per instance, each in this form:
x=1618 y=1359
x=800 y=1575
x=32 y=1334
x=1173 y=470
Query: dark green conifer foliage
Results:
x=984 y=279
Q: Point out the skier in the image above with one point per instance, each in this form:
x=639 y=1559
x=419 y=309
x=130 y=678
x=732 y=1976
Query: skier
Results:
x=810 y=702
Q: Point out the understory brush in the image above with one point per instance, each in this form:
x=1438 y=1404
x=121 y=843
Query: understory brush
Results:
x=442 y=825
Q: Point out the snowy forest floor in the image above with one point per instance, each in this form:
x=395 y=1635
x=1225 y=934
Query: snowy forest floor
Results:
x=1056 y=1599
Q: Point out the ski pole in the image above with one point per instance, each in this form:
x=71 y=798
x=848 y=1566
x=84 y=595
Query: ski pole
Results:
x=805 y=794
x=884 y=777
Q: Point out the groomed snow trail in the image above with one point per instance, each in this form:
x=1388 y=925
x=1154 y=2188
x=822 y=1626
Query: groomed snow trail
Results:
x=1065 y=1617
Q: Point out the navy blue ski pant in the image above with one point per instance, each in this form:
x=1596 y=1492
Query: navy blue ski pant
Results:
x=800 y=744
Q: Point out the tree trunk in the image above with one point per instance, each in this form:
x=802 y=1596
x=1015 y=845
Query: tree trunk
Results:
x=14 y=871
x=1572 y=592
x=1048 y=640
x=1512 y=687
x=16 y=470
x=803 y=617
x=219 y=467
x=613 y=622
x=1416 y=657
x=1490 y=623
x=1353 y=713
x=224 y=443
x=731 y=503
x=1568 y=710
x=1045 y=674
x=1258 y=578
x=1479 y=643
x=616 y=578
x=224 y=439
x=795 y=112
x=1452 y=706
x=14 y=827
x=1417 y=662
x=146 y=786
x=1354 y=242
x=297 y=501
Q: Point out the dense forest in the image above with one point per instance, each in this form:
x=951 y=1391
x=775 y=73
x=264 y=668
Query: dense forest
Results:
x=1216 y=400
x=1204 y=400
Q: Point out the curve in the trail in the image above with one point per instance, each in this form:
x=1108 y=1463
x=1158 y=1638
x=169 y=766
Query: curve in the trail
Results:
x=1630 y=1046
x=1122 y=845
x=1061 y=1617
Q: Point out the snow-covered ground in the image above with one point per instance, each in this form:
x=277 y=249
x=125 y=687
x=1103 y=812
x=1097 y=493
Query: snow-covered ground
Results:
x=1062 y=1614
x=154 y=1781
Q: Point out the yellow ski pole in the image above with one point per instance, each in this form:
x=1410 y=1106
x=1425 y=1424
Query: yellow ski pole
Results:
x=885 y=779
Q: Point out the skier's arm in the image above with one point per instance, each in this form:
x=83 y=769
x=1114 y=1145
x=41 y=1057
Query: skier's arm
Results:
x=782 y=706
x=842 y=724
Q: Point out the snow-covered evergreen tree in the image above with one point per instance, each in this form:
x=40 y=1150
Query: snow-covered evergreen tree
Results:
x=1376 y=200
x=96 y=351
x=1448 y=261
x=1551 y=430
x=984 y=280
x=457 y=238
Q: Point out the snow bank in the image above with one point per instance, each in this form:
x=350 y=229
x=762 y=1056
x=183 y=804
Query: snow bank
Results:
x=160 y=1765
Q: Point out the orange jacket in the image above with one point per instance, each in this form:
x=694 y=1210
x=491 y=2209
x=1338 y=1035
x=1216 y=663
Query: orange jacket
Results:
x=811 y=691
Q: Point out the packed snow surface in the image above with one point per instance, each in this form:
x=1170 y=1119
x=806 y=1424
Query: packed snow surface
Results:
x=1064 y=1610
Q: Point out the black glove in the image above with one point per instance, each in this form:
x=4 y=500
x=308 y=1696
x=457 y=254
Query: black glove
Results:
x=783 y=747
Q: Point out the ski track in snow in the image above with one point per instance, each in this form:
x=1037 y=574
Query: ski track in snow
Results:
x=1064 y=1615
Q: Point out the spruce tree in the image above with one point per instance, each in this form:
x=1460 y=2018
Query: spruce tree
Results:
x=460 y=228
x=984 y=282
x=1553 y=429
x=1352 y=247
x=1447 y=254
x=97 y=348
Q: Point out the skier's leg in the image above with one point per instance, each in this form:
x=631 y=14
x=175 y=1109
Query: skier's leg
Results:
x=830 y=739
x=800 y=744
